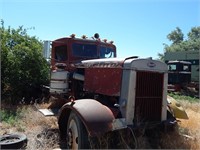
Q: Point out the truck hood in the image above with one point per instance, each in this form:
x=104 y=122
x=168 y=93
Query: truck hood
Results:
x=132 y=63
x=147 y=64
x=105 y=62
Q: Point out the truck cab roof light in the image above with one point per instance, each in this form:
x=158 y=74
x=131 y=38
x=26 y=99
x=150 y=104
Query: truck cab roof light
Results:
x=72 y=36
x=105 y=40
x=111 y=42
x=84 y=36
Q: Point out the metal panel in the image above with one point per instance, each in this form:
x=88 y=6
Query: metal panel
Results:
x=130 y=105
x=181 y=55
x=59 y=75
x=59 y=84
x=145 y=64
x=105 y=81
x=58 y=91
x=195 y=73
x=164 y=99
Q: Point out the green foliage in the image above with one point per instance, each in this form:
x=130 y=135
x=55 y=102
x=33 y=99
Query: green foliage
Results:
x=161 y=57
x=23 y=68
x=194 y=34
x=179 y=96
x=10 y=116
x=14 y=117
x=176 y=36
x=191 y=43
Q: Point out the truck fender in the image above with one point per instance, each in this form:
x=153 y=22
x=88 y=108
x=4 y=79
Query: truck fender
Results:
x=96 y=117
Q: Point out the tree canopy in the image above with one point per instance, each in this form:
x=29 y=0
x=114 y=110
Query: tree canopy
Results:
x=191 y=43
x=23 y=68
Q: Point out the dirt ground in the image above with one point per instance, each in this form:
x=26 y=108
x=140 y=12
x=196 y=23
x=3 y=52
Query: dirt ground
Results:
x=42 y=132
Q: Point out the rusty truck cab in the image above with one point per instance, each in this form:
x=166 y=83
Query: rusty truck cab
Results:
x=72 y=50
x=66 y=57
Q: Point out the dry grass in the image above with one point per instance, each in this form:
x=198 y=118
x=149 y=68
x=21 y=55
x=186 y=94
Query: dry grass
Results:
x=187 y=134
x=42 y=132
x=192 y=125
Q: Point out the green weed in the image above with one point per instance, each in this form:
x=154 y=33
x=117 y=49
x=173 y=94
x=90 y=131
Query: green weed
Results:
x=179 y=96
x=11 y=117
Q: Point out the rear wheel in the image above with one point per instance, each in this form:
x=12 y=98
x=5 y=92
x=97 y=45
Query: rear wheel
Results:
x=77 y=136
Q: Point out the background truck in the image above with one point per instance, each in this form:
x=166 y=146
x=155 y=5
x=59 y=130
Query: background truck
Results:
x=180 y=77
x=97 y=93
x=189 y=56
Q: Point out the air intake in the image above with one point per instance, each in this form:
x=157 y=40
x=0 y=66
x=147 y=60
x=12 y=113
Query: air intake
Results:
x=148 y=100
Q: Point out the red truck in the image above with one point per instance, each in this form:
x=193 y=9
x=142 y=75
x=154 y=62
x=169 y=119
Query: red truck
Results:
x=97 y=93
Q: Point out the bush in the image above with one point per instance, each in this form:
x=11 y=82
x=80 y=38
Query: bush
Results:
x=23 y=68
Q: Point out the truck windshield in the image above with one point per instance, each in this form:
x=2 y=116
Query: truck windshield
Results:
x=106 y=52
x=84 y=50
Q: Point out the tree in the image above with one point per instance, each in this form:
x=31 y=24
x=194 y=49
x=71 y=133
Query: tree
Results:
x=192 y=43
x=176 y=36
x=23 y=68
x=194 y=34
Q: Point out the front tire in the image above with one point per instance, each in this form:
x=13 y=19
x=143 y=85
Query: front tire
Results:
x=77 y=136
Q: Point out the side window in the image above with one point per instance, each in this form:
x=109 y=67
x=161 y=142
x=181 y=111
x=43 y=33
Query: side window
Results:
x=106 y=52
x=172 y=67
x=186 y=68
x=61 y=53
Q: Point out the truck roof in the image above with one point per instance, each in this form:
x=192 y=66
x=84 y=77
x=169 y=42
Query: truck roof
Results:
x=177 y=61
x=89 y=40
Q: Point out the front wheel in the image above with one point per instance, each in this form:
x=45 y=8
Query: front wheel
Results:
x=77 y=136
